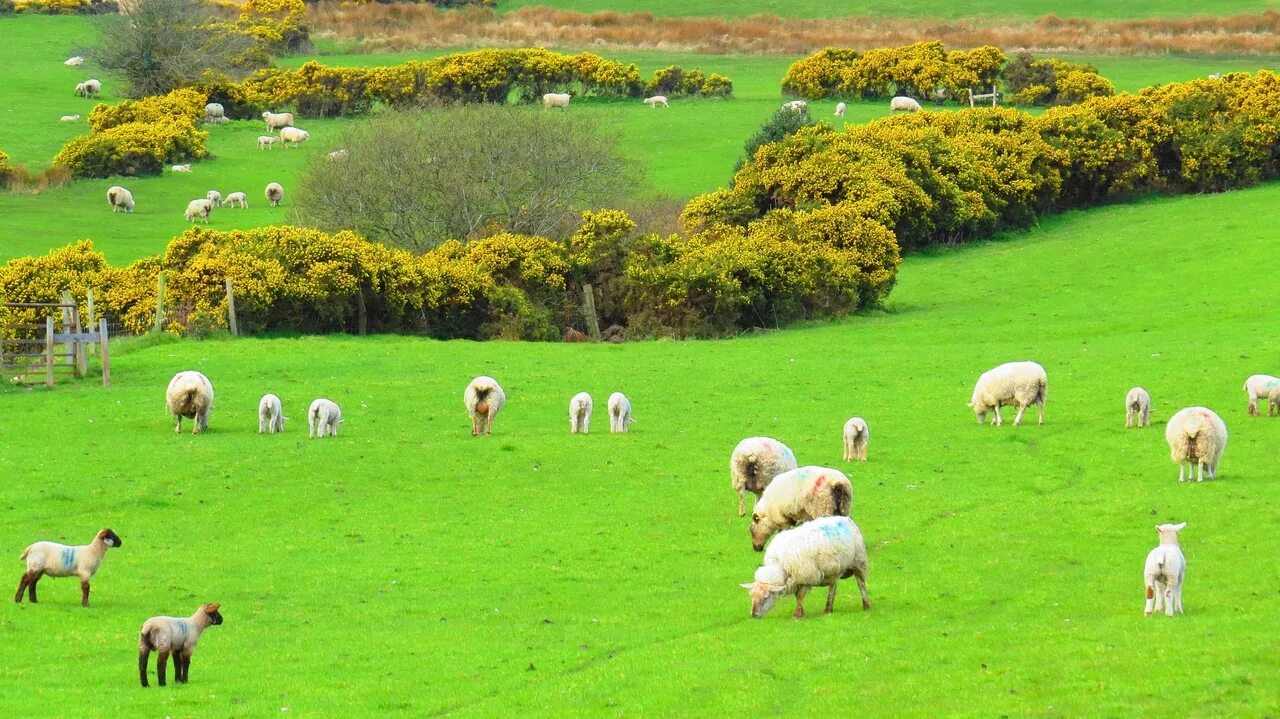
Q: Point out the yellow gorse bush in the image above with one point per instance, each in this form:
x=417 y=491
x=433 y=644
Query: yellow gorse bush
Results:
x=138 y=138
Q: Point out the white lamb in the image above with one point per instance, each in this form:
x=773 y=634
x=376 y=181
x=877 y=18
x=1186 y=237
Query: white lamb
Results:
x=1198 y=436
x=483 y=399
x=795 y=105
x=1137 y=406
x=277 y=120
x=199 y=210
x=323 y=417
x=274 y=193
x=840 y=109
x=119 y=199
x=292 y=136
x=76 y=61
x=1165 y=569
x=799 y=496
x=815 y=554
x=580 y=413
x=555 y=99
x=1259 y=385
x=237 y=199
x=1013 y=384
x=903 y=103
x=656 y=100
x=266 y=142
x=180 y=168
x=270 y=415
x=214 y=197
x=755 y=462
x=61 y=560
x=190 y=394
x=856 y=437
x=620 y=419
x=69 y=118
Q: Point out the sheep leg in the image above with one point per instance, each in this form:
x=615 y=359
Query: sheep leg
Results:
x=1151 y=601
x=1199 y=471
x=831 y=599
x=143 y=654
x=178 y=428
x=28 y=579
x=1017 y=419
x=742 y=507
x=1040 y=411
x=1128 y=417
x=1181 y=466
x=1168 y=600
x=162 y=658
x=997 y=420
x=84 y=593
x=181 y=665
x=799 y=612
x=31 y=588
x=861 y=576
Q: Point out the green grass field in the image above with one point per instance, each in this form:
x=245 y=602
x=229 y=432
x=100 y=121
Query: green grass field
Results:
x=407 y=569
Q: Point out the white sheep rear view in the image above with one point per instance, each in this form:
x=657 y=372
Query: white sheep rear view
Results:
x=323 y=419
x=483 y=399
x=1197 y=437
x=1259 y=385
x=580 y=413
x=755 y=462
x=620 y=418
x=1014 y=384
x=798 y=496
x=1137 y=406
x=815 y=554
x=1164 y=572
x=856 y=437
x=190 y=395
x=274 y=193
x=270 y=415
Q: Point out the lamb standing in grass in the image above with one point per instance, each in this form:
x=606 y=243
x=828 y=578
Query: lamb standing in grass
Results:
x=214 y=197
x=755 y=462
x=60 y=560
x=270 y=415
x=235 y=199
x=190 y=394
x=856 y=437
x=199 y=210
x=483 y=398
x=620 y=418
x=119 y=199
x=903 y=103
x=840 y=109
x=798 y=496
x=1137 y=406
x=657 y=100
x=323 y=418
x=1166 y=568
x=1198 y=436
x=1016 y=384
x=1273 y=401
x=556 y=99
x=275 y=193
x=580 y=413
x=1259 y=385
x=266 y=142
x=176 y=636
x=815 y=554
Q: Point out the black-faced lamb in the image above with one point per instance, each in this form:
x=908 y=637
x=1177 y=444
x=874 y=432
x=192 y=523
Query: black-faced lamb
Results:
x=620 y=419
x=817 y=553
x=755 y=462
x=1165 y=569
x=323 y=418
x=1137 y=406
x=798 y=496
x=580 y=413
x=1197 y=436
x=483 y=399
x=190 y=394
x=856 y=437
x=270 y=415
x=1013 y=384
x=175 y=636
x=61 y=560
x=1259 y=385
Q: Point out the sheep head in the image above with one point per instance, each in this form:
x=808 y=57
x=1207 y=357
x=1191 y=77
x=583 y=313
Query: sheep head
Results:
x=110 y=538
x=1169 y=532
x=212 y=611
x=770 y=583
x=761 y=528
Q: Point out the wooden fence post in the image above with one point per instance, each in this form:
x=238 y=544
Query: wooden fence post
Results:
x=105 y=352
x=48 y=351
x=362 y=313
x=231 y=310
x=589 y=312
x=90 y=320
x=159 y=326
x=71 y=324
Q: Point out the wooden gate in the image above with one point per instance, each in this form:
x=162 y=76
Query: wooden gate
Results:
x=31 y=349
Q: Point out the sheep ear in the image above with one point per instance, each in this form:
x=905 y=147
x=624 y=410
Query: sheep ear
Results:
x=1179 y=526
x=748 y=585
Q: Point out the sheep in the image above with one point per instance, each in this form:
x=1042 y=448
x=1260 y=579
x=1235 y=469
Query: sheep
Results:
x=270 y=415
x=88 y=88
x=60 y=560
x=755 y=462
x=903 y=103
x=555 y=99
x=275 y=193
x=1215 y=76
x=214 y=197
x=119 y=199
x=620 y=419
x=817 y=553
x=483 y=399
x=323 y=417
x=657 y=100
x=840 y=109
x=1196 y=435
x=237 y=199
x=190 y=394
x=1137 y=406
x=180 y=168
x=80 y=90
x=214 y=111
x=580 y=413
x=337 y=155
x=798 y=496
x=69 y=118
x=795 y=105
x=293 y=135
x=1165 y=569
x=277 y=120
x=76 y=61
x=1019 y=384
x=176 y=636
x=856 y=437
x=266 y=142
x=199 y=210
x=1259 y=385
x=1273 y=400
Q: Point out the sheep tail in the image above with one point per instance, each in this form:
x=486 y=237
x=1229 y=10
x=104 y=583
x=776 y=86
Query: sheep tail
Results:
x=25 y=552
x=842 y=498
x=1042 y=389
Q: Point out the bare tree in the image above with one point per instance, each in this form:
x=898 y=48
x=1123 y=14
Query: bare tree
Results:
x=416 y=178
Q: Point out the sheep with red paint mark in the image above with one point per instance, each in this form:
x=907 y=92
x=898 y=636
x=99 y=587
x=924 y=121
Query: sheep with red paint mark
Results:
x=483 y=399
x=753 y=465
x=61 y=560
x=799 y=496
x=818 y=553
x=176 y=636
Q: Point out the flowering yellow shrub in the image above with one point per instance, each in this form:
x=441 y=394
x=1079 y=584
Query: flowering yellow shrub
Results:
x=185 y=102
x=60 y=7
x=280 y=24
x=134 y=148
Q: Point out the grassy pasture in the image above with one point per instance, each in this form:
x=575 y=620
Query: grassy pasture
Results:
x=407 y=569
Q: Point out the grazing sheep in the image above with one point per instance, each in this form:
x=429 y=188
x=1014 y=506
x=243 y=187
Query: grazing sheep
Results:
x=1196 y=435
x=903 y=103
x=270 y=415
x=555 y=99
x=1273 y=401
x=237 y=199
x=840 y=109
x=275 y=193
x=754 y=464
x=266 y=142
x=277 y=120
x=214 y=197
x=190 y=394
x=657 y=100
x=88 y=88
x=181 y=168
x=214 y=111
x=199 y=210
x=60 y=560
x=856 y=437
x=323 y=417
x=483 y=398
x=799 y=496
x=795 y=105
x=292 y=136
x=119 y=199
x=580 y=413
x=76 y=61
x=1137 y=405
x=620 y=419
x=1019 y=384
x=1165 y=569
x=1259 y=385
x=176 y=636
x=69 y=118
x=817 y=553
x=337 y=155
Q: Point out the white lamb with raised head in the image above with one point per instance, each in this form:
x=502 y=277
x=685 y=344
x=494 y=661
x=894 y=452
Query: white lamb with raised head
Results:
x=657 y=100
x=1137 y=406
x=1013 y=384
x=237 y=199
x=903 y=102
x=798 y=496
x=580 y=413
x=270 y=414
x=556 y=99
x=1259 y=385
x=1165 y=569
x=199 y=210
x=323 y=418
x=856 y=437
x=620 y=418
x=755 y=462
x=119 y=199
x=277 y=120
x=61 y=560
x=483 y=399
x=293 y=136
x=1197 y=436
x=176 y=636
x=840 y=109
x=817 y=553
x=274 y=193
x=190 y=395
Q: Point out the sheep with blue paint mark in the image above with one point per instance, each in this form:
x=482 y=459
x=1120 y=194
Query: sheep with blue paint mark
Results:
x=753 y=465
x=818 y=553
x=176 y=636
x=61 y=560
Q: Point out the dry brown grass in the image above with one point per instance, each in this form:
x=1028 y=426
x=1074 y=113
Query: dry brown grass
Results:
x=377 y=27
x=21 y=181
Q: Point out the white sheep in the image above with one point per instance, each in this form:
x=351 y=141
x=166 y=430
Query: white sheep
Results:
x=620 y=419
x=580 y=413
x=1259 y=385
x=186 y=167
x=902 y=102
x=483 y=398
x=266 y=142
x=840 y=109
x=176 y=636
x=190 y=394
x=199 y=210
x=818 y=553
x=555 y=99
x=61 y=560
x=214 y=197
x=69 y=118
x=1137 y=406
x=656 y=100
x=1014 y=384
x=754 y=464
x=237 y=199
x=323 y=417
x=277 y=120
x=798 y=496
x=119 y=199
x=275 y=193
x=337 y=155
x=292 y=136
x=1196 y=435
x=856 y=437
x=214 y=111
x=270 y=415
x=1273 y=400
x=795 y=105
x=76 y=61
x=88 y=88
x=1165 y=569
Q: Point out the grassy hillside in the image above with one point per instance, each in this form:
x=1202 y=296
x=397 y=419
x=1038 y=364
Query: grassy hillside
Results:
x=407 y=569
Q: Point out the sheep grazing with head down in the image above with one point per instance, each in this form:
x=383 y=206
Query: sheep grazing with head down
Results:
x=274 y=193
x=61 y=560
x=1165 y=569
x=856 y=437
x=270 y=415
x=266 y=142
x=214 y=112
x=1197 y=436
x=556 y=99
x=656 y=100
x=323 y=417
x=1259 y=385
x=119 y=199
x=902 y=102
x=175 y=636
x=798 y=496
x=1013 y=384
x=483 y=399
x=214 y=197
x=818 y=553
x=620 y=419
x=754 y=464
x=1137 y=406
x=190 y=395
x=237 y=199
x=580 y=413
x=840 y=109
x=199 y=210
x=293 y=136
